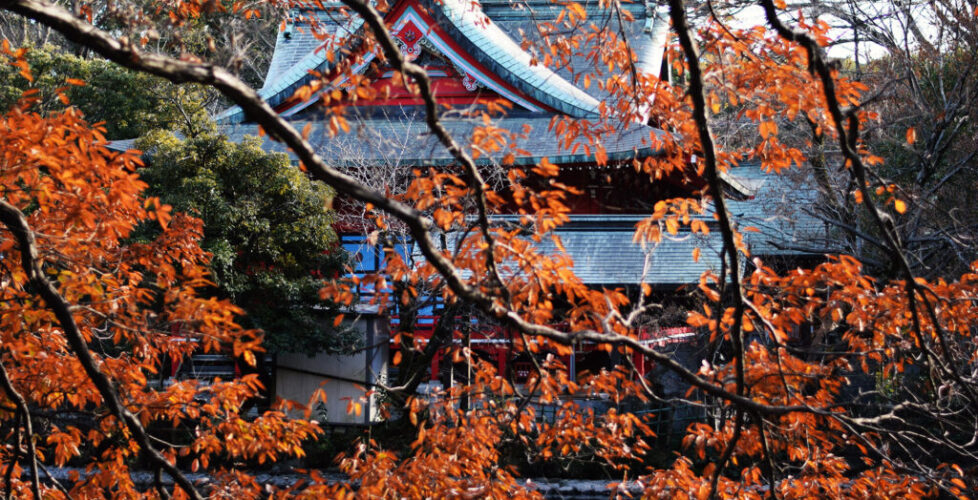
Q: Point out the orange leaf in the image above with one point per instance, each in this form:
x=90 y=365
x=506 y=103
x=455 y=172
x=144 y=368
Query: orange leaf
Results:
x=900 y=206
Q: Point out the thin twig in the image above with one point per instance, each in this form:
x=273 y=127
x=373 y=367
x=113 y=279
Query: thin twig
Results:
x=15 y=221
x=25 y=416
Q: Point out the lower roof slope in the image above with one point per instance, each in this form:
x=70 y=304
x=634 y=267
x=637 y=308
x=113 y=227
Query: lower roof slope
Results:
x=604 y=253
x=402 y=138
x=780 y=207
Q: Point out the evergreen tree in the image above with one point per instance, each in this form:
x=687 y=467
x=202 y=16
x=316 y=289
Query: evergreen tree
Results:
x=268 y=226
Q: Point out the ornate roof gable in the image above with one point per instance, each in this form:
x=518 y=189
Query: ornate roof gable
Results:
x=472 y=56
x=459 y=30
x=481 y=54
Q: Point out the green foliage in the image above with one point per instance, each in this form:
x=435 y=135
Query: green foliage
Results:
x=268 y=226
x=130 y=104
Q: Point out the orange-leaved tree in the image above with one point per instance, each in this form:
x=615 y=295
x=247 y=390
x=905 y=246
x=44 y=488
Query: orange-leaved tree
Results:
x=882 y=403
x=90 y=312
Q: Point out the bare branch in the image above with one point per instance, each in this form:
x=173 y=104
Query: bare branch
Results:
x=17 y=224
x=25 y=415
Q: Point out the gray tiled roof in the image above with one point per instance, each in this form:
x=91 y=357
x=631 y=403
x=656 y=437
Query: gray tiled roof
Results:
x=519 y=19
x=649 y=44
x=495 y=45
x=779 y=209
x=492 y=47
x=297 y=52
x=405 y=140
x=604 y=257
x=292 y=45
x=604 y=254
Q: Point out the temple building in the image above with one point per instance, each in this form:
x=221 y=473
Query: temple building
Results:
x=475 y=54
x=478 y=54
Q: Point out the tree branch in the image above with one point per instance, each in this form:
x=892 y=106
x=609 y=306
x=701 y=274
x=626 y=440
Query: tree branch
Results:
x=25 y=413
x=383 y=35
x=15 y=221
x=847 y=128
x=419 y=226
x=677 y=11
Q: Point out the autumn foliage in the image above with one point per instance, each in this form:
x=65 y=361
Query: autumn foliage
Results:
x=881 y=404
x=134 y=303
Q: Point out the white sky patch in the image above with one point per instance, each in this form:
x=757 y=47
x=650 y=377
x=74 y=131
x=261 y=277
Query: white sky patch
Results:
x=886 y=17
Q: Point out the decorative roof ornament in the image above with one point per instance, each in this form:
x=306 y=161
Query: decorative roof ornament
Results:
x=468 y=81
x=409 y=39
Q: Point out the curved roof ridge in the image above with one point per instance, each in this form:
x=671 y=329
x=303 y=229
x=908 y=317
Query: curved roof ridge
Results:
x=468 y=25
x=496 y=50
x=280 y=87
x=406 y=141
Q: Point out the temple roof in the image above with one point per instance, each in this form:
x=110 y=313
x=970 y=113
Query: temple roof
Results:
x=611 y=257
x=779 y=207
x=604 y=252
x=404 y=139
x=298 y=51
x=482 y=42
x=492 y=47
